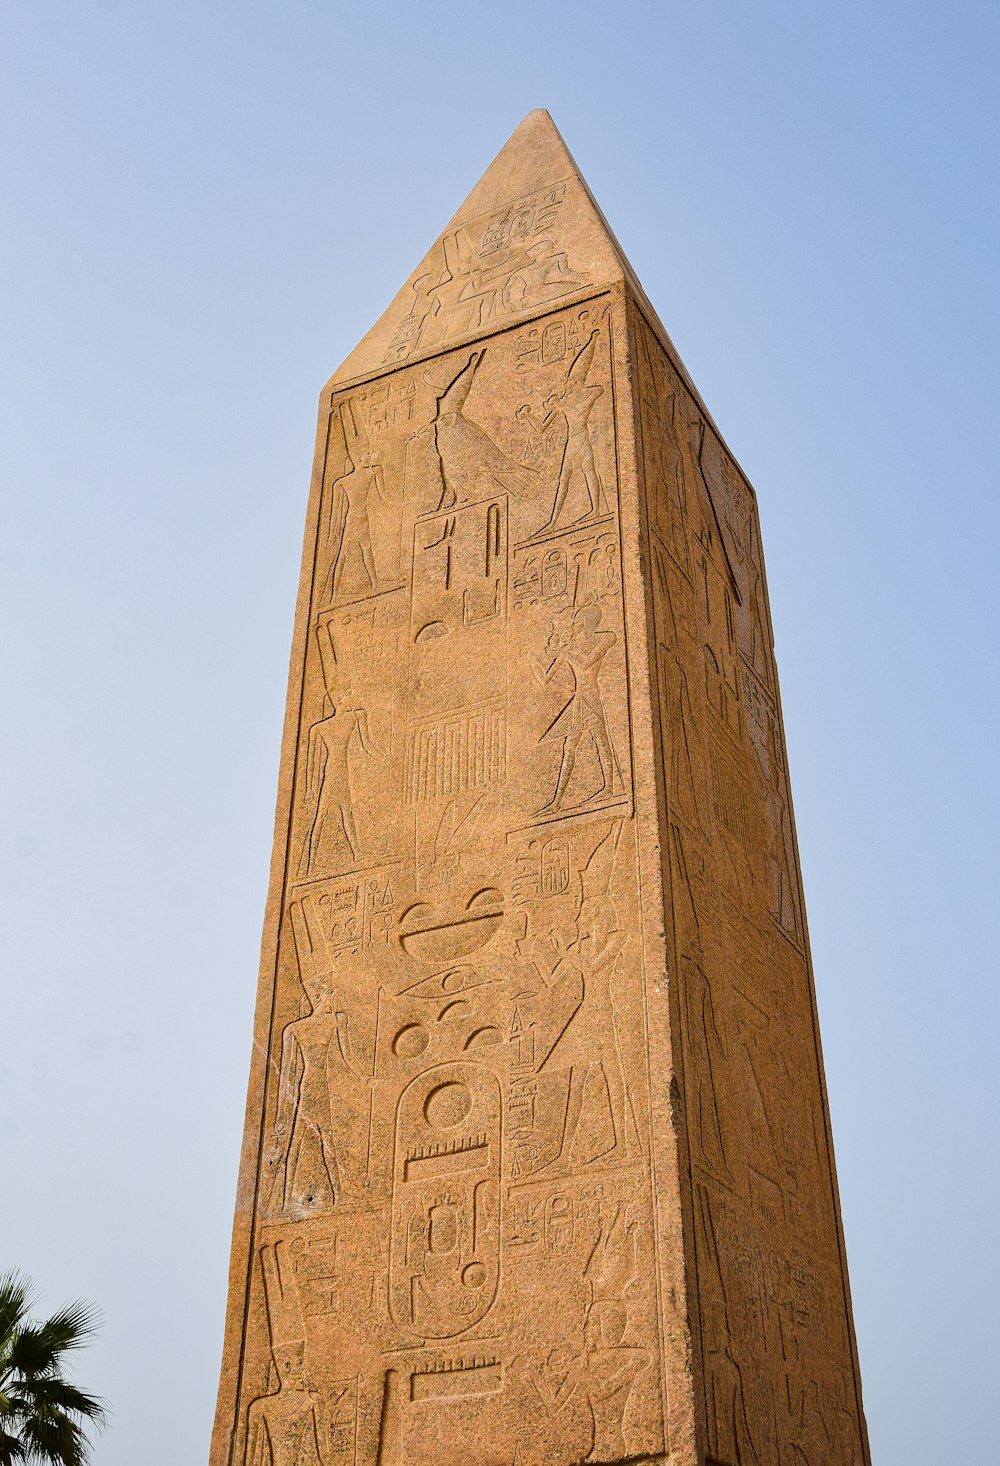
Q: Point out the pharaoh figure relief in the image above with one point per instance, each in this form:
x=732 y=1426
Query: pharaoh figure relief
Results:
x=537 y=1167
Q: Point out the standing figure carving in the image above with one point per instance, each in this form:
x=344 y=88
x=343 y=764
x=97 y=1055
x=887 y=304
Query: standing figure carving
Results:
x=572 y=406
x=536 y=1169
x=317 y=1140
x=576 y=1021
x=329 y=807
x=284 y=1428
x=589 y=1391
x=577 y=645
x=349 y=537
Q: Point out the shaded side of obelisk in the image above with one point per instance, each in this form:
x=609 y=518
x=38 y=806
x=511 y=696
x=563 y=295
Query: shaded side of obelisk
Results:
x=772 y=1324
x=536 y=1166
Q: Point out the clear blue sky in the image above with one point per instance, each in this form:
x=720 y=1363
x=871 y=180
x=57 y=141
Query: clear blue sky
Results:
x=205 y=205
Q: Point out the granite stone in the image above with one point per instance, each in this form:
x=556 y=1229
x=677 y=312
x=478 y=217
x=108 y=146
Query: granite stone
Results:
x=537 y=1167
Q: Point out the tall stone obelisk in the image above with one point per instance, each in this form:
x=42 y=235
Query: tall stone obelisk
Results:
x=537 y=1166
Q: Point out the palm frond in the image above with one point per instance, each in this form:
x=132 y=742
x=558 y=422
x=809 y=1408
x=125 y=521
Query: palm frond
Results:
x=35 y=1348
x=15 y=1301
x=52 y=1392
x=11 y=1449
x=55 y=1438
x=42 y=1415
x=74 y=1324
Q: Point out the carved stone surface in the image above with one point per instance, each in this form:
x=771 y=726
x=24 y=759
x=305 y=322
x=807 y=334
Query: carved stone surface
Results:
x=537 y=1167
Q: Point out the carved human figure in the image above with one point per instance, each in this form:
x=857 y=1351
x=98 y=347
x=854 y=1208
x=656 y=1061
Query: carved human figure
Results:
x=349 y=536
x=573 y=1016
x=611 y=1367
x=284 y=1428
x=703 y=1035
x=579 y=646
x=680 y=739
x=328 y=802
x=590 y=1044
x=467 y=291
x=317 y=1136
x=610 y=1370
x=842 y=1424
x=599 y=1379
x=782 y=895
x=573 y=403
x=666 y=484
x=730 y=1438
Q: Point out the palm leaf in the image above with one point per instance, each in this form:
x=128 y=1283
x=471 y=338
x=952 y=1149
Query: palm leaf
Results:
x=54 y=1437
x=15 y=1301
x=35 y=1348
x=56 y=1393
x=11 y=1449
x=42 y=1414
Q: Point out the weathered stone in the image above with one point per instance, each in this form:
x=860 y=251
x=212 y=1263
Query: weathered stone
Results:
x=537 y=1166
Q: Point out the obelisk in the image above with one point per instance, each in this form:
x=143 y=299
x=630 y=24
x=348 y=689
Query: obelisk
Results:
x=537 y=1166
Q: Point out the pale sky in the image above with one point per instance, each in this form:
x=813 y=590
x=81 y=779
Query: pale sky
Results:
x=205 y=206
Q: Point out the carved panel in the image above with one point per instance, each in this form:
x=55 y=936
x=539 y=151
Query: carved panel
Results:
x=456 y=1109
x=775 y=1348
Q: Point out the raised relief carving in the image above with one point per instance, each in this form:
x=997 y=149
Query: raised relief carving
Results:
x=444 y=931
x=547 y=343
x=445 y=1258
x=458 y=612
x=471 y=464
x=463 y=1045
x=680 y=744
x=756 y=1150
x=569 y=1105
x=490 y=269
x=457 y=739
x=285 y=1427
x=467 y=1231
x=453 y=843
x=729 y=1434
x=574 y=655
x=768 y=746
x=357 y=913
x=318 y=1154
x=665 y=462
x=738 y=521
x=581 y=567
x=331 y=839
x=390 y=1434
x=455 y=753
x=454 y=1378
x=704 y=1043
x=349 y=533
x=584 y=1385
x=567 y=423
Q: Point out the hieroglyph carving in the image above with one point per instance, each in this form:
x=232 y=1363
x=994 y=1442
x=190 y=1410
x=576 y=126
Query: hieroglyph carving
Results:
x=489 y=269
x=537 y=1170
x=758 y=1161
x=448 y=1029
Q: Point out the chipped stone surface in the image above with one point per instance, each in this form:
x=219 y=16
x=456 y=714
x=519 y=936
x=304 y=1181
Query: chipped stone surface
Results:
x=537 y=1168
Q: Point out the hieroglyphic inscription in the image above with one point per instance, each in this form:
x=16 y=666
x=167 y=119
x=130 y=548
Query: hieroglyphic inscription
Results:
x=489 y=269
x=537 y=1171
x=458 y=1028
x=778 y=1369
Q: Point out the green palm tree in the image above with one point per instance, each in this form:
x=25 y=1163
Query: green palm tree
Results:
x=42 y=1416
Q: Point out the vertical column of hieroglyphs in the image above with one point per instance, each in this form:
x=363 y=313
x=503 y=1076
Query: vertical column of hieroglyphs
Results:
x=452 y=1258
x=776 y=1347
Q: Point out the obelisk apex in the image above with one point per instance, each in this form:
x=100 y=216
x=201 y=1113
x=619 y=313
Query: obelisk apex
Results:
x=537 y=1167
x=530 y=211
